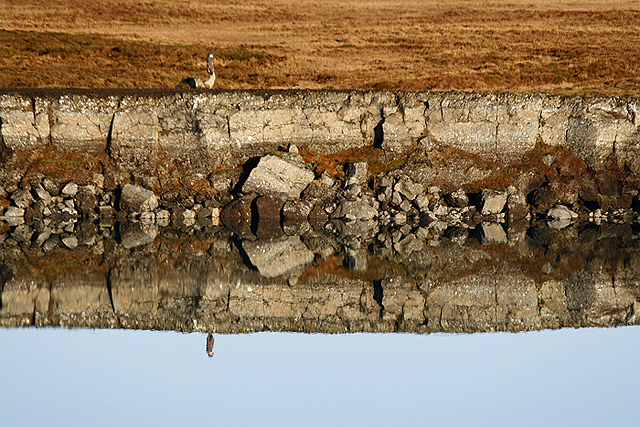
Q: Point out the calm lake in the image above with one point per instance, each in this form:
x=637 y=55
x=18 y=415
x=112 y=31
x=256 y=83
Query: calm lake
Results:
x=412 y=326
x=60 y=377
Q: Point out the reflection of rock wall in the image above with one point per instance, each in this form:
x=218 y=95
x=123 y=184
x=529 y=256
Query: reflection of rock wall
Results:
x=206 y=294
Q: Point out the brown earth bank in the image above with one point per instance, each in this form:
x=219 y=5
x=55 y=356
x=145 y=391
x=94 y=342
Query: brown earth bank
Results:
x=553 y=46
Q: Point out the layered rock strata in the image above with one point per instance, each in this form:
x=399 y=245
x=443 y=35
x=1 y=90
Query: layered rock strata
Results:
x=211 y=129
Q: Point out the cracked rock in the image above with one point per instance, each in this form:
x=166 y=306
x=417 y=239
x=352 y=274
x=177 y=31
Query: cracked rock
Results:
x=457 y=199
x=277 y=257
x=135 y=199
x=356 y=173
x=22 y=198
x=408 y=189
x=492 y=201
x=273 y=174
x=358 y=210
x=69 y=190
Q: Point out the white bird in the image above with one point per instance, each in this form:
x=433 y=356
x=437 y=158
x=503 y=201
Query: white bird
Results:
x=211 y=69
x=195 y=82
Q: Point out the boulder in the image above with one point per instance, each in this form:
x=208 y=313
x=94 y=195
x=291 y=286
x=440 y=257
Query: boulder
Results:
x=69 y=190
x=296 y=210
x=492 y=201
x=457 y=199
x=517 y=206
x=136 y=199
x=86 y=200
x=318 y=215
x=318 y=193
x=70 y=241
x=275 y=258
x=560 y=212
x=51 y=187
x=421 y=202
x=356 y=259
x=356 y=173
x=274 y=174
x=408 y=188
x=137 y=234
x=22 y=233
x=560 y=217
x=354 y=210
x=269 y=229
x=237 y=215
x=42 y=194
x=296 y=227
x=13 y=212
x=269 y=206
x=492 y=232
x=542 y=199
x=183 y=217
x=22 y=198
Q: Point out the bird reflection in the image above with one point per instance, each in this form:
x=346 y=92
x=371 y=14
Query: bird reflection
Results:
x=210 y=344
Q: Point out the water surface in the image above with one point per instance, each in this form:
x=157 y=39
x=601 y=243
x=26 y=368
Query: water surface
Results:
x=57 y=377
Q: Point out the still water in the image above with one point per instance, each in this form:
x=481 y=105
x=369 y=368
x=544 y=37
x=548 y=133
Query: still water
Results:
x=62 y=377
x=107 y=326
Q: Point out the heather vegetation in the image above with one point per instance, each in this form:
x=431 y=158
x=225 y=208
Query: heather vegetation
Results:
x=554 y=46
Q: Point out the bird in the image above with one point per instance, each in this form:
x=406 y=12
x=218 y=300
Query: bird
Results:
x=211 y=69
x=196 y=83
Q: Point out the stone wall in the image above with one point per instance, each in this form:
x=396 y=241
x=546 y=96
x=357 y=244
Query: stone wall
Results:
x=204 y=130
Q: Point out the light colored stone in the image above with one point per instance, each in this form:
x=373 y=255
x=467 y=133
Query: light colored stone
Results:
x=277 y=257
x=163 y=217
x=356 y=173
x=408 y=188
x=134 y=137
x=277 y=175
x=70 y=242
x=81 y=124
x=42 y=194
x=492 y=201
x=356 y=210
x=560 y=212
x=492 y=232
x=22 y=198
x=18 y=130
x=395 y=134
x=135 y=199
x=70 y=189
x=14 y=212
x=137 y=234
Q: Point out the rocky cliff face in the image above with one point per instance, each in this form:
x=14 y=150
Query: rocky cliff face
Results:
x=211 y=129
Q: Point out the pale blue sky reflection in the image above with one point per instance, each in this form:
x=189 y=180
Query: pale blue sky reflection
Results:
x=114 y=377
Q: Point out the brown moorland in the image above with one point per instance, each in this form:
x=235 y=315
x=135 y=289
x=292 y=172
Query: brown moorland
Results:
x=553 y=46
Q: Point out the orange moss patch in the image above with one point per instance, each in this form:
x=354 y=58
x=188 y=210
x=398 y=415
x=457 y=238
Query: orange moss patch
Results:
x=61 y=167
x=50 y=265
x=377 y=269
x=333 y=163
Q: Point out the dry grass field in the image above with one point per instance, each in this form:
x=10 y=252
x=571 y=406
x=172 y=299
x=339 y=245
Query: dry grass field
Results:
x=555 y=46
